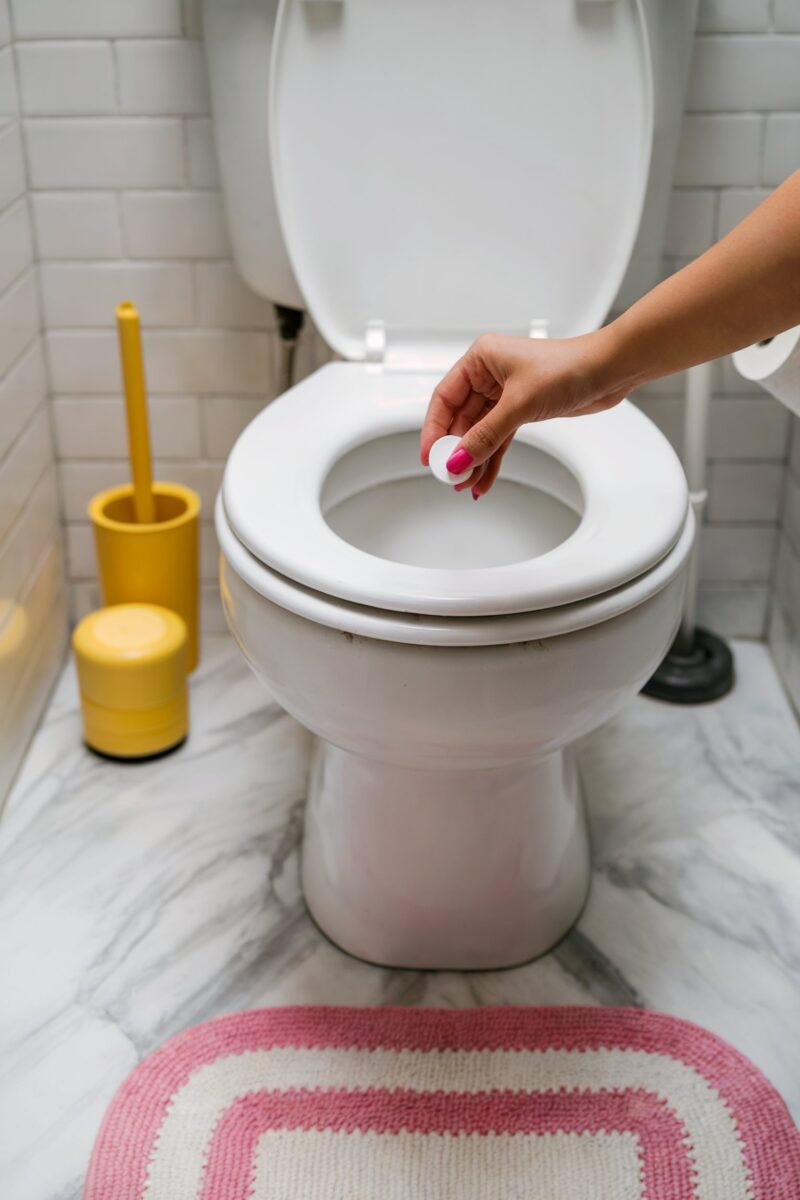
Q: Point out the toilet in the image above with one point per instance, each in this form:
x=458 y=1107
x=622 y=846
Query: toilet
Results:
x=438 y=170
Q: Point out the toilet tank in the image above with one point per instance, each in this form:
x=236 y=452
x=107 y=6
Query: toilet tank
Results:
x=238 y=39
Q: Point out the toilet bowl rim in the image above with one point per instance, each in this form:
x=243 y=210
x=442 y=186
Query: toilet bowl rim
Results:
x=425 y=630
x=632 y=484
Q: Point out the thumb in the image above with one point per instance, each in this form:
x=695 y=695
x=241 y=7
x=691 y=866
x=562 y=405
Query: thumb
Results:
x=484 y=438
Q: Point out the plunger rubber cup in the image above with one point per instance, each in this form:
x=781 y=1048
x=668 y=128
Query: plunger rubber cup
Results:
x=154 y=563
x=706 y=673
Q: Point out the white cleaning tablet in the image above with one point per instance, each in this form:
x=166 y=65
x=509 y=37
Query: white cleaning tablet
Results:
x=440 y=452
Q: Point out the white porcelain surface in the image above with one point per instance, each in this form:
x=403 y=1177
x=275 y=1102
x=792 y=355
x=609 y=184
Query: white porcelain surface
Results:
x=388 y=265
x=238 y=43
x=447 y=707
x=448 y=869
x=413 y=629
x=387 y=215
x=239 y=36
x=348 y=430
x=136 y=901
x=446 y=743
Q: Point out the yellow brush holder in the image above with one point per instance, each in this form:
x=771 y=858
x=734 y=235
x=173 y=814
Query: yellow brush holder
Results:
x=131 y=661
x=153 y=563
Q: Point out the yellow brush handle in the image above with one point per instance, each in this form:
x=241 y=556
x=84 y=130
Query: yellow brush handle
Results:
x=130 y=348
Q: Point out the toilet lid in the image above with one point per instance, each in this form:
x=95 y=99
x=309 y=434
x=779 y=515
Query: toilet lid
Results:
x=629 y=480
x=447 y=167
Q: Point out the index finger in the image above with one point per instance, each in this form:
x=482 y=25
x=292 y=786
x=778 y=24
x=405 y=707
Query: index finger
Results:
x=448 y=397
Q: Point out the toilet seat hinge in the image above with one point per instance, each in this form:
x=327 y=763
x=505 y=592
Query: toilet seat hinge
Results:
x=539 y=327
x=375 y=341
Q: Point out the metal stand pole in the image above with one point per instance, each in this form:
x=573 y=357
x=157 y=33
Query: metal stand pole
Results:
x=699 y=665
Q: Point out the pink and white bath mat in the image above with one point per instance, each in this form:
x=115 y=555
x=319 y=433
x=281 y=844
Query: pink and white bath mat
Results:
x=432 y=1104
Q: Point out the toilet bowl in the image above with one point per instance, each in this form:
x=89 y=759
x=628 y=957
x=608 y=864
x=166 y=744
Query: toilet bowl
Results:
x=447 y=655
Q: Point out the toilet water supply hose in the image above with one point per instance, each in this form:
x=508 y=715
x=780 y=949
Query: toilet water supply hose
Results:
x=290 y=324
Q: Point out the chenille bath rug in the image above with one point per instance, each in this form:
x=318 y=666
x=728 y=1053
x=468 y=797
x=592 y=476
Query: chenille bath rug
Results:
x=433 y=1104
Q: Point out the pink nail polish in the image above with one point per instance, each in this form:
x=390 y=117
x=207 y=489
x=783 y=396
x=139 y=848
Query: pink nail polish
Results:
x=476 y=494
x=458 y=461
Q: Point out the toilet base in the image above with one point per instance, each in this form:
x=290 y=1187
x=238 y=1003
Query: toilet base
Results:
x=459 y=870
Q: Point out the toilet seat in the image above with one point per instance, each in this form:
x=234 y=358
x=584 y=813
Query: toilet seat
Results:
x=401 y=272
x=412 y=629
x=633 y=491
x=399 y=232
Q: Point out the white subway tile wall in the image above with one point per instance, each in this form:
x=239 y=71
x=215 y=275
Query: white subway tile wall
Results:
x=32 y=582
x=96 y=18
x=16 y=247
x=105 y=152
x=83 y=294
x=720 y=149
x=66 y=77
x=162 y=77
x=744 y=73
x=781 y=145
x=126 y=202
x=784 y=628
x=185 y=224
x=74 y=225
x=12 y=163
x=174 y=427
x=741 y=136
x=733 y=16
x=787 y=16
x=691 y=225
x=735 y=204
x=8 y=84
x=202 y=157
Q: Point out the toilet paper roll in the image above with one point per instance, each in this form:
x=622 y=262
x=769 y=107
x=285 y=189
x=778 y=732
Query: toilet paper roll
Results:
x=775 y=365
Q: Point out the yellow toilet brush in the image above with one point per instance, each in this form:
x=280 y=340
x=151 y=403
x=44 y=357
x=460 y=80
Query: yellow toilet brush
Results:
x=133 y=655
x=130 y=349
x=146 y=533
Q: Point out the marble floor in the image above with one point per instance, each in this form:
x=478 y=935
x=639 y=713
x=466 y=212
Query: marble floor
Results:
x=136 y=900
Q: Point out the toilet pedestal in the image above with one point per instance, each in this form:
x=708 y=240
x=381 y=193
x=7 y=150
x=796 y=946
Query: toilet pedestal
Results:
x=461 y=870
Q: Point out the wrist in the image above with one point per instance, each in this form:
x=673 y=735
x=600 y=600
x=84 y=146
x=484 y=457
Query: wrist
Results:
x=612 y=364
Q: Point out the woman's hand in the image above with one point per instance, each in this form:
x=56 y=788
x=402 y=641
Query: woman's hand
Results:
x=741 y=290
x=502 y=382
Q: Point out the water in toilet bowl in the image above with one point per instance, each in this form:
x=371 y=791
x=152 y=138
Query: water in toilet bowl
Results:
x=380 y=500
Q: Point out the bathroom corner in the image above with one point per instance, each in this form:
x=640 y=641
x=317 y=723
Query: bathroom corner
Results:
x=33 y=583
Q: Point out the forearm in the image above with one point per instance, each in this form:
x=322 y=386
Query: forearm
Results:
x=744 y=289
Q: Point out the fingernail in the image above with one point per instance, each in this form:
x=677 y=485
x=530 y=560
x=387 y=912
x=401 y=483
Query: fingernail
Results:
x=458 y=461
x=476 y=494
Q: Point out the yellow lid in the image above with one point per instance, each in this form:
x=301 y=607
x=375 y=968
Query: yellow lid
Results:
x=131 y=661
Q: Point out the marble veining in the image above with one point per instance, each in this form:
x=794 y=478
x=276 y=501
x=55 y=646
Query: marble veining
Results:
x=138 y=899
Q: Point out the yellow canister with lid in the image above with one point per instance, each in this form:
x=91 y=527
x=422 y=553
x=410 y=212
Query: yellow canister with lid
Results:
x=132 y=665
x=155 y=562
